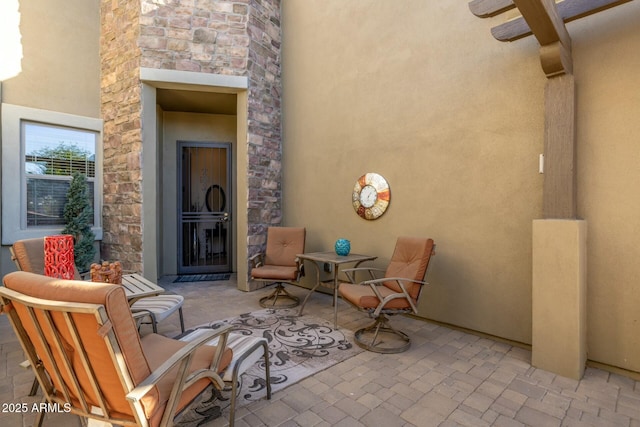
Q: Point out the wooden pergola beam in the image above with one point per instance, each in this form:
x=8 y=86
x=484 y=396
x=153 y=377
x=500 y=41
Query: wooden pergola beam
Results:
x=544 y=21
x=548 y=28
x=488 y=8
x=568 y=10
x=559 y=195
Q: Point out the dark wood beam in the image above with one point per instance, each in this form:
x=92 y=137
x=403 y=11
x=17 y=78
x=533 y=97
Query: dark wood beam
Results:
x=559 y=188
x=548 y=28
x=568 y=10
x=543 y=20
x=487 y=8
x=555 y=59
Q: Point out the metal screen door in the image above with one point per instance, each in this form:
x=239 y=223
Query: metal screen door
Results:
x=204 y=207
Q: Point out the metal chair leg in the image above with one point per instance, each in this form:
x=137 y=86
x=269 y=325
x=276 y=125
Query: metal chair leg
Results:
x=236 y=374
x=34 y=387
x=279 y=293
x=181 y=319
x=40 y=416
x=385 y=338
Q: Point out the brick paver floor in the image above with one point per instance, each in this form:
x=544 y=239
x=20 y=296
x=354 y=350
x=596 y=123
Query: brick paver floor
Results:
x=446 y=378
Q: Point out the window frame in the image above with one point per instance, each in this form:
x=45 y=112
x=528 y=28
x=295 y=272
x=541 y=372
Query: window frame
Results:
x=14 y=216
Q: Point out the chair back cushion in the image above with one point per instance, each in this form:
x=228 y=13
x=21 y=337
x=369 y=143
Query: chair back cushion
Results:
x=410 y=260
x=114 y=300
x=283 y=244
x=29 y=254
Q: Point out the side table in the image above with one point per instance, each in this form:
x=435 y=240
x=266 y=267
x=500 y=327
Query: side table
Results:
x=330 y=257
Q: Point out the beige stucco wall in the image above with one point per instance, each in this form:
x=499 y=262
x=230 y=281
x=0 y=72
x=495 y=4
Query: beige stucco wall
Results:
x=60 y=64
x=451 y=118
x=606 y=64
x=423 y=94
x=60 y=67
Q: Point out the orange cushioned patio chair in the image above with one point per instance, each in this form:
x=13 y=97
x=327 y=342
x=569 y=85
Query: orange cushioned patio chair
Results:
x=395 y=293
x=279 y=264
x=84 y=347
x=28 y=254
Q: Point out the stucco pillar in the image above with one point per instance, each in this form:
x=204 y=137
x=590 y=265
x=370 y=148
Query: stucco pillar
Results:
x=559 y=296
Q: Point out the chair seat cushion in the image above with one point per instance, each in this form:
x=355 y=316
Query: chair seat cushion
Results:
x=162 y=306
x=239 y=344
x=362 y=296
x=158 y=349
x=275 y=272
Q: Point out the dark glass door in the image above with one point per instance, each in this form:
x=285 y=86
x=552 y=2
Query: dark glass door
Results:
x=204 y=208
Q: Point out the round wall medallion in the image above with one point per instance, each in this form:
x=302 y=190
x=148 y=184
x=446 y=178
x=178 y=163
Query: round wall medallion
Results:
x=371 y=196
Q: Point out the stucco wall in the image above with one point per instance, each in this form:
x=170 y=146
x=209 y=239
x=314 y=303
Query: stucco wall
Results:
x=606 y=64
x=61 y=64
x=424 y=95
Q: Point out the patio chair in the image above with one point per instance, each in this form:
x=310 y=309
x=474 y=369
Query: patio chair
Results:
x=279 y=264
x=397 y=292
x=83 y=345
x=28 y=254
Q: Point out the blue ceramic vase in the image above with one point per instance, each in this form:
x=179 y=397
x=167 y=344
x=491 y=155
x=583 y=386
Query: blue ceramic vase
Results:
x=343 y=247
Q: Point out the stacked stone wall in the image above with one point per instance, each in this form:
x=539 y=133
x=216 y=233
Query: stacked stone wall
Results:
x=234 y=37
x=202 y=36
x=121 y=111
x=264 y=127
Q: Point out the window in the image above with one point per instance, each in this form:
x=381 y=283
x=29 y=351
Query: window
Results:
x=52 y=155
x=44 y=149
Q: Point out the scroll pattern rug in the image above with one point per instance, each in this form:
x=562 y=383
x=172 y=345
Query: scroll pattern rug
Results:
x=298 y=347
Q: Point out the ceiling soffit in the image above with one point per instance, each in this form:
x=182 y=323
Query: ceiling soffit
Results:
x=196 y=101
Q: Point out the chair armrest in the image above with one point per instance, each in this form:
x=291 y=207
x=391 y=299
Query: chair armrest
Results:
x=351 y=273
x=398 y=295
x=299 y=268
x=388 y=279
x=140 y=314
x=182 y=359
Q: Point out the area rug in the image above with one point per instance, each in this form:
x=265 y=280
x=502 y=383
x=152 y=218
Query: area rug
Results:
x=202 y=277
x=299 y=346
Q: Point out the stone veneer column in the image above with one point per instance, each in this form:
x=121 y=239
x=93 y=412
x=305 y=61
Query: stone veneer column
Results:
x=264 y=127
x=122 y=139
x=231 y=37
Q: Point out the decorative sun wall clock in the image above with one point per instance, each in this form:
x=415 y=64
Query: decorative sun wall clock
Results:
x=371 y=196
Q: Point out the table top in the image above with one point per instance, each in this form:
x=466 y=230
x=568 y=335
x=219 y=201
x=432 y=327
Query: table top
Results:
x=136 y=286
x=332 y=257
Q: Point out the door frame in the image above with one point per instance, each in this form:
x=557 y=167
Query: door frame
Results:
x=153 y=79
